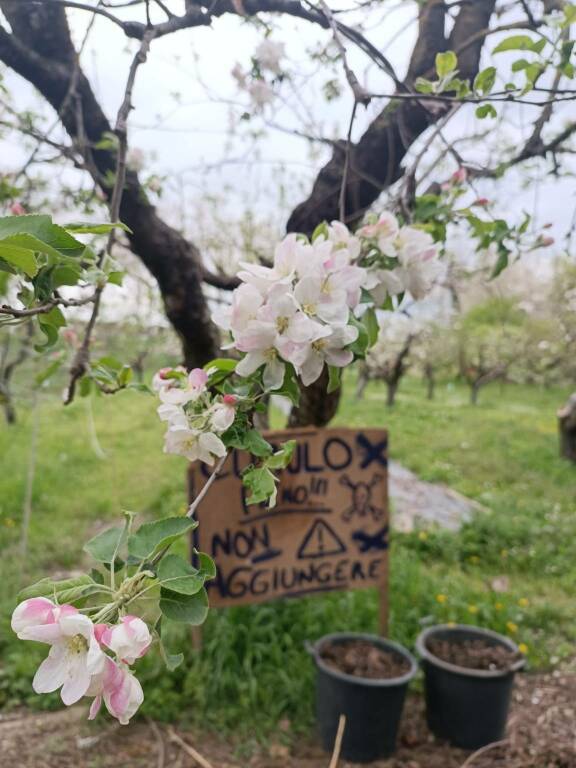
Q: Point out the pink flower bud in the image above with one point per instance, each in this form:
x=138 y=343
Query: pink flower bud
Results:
x=17 y=209
x=460 y=176
x=230 y=399
x=483 y=201
x=546 y=241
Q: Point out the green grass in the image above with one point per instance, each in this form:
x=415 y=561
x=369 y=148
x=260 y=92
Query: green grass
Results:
x=253 y=670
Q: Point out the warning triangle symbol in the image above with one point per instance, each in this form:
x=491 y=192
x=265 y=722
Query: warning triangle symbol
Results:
x=320 y=541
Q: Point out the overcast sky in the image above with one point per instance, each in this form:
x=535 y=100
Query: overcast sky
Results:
x=186 y=103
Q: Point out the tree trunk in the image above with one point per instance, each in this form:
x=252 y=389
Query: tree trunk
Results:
x=430 y=381
x=474 y=392
x=317 y=407
x=362 y=382
x=391 y=390
x=567 y=429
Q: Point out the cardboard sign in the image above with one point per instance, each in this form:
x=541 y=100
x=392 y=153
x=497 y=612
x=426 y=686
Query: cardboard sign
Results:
x=328 y=530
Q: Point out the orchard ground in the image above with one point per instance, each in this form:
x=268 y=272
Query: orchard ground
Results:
x=511 y=568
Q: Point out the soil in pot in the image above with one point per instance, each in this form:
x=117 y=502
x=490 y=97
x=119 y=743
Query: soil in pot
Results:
x=364 y=678
x=468 y=673
x=473 y=654
x=363 y=659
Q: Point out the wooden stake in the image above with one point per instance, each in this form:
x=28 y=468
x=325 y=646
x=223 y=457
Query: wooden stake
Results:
x=338 y=742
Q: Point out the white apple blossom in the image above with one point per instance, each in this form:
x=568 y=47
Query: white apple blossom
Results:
x=75 y=655
x=268 y=54
x=260 y=93
x=384 y=232
x=194 y=444
x=330 y=350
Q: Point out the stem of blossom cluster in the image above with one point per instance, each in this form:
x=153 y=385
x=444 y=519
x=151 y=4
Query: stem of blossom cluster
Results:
x=194 y=506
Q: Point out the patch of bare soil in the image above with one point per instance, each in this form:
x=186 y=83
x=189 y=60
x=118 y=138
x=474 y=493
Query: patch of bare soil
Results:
x=473 y=654
x=363 y=659
x=541 y=734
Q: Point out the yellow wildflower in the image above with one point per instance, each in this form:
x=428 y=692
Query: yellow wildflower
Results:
x=523 y=602
x=523 y=648
x=472 y=609
x=511 y=627
x=441 y=599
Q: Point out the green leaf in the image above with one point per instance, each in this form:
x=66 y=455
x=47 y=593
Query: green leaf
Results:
x=484 y=80
x=261 y=483
x=255 y=443
x=423 y=85
x=53 y=239
x=320 y=231
x=516 y=43
x=171 y=660
x=501 y=264
x=281 y=458
x=177 y=575
x=360 y=346
x=207 y=565
x=446 y=63
x=222 y=364
x=188 y=609
x=47 y=372
x=95 y=229
x=21 y=258
x=334 y=378
x=49 y=588
x=370 y=320
x=105 y=546
x=290 y=387
x=150 y=537
x=486 y=110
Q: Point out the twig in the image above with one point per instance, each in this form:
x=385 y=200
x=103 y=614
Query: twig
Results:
x=468 y=762
x=46 y=307
x=160 y=739
x=338 y=742
x=194 y=506
x=360 y=93
x=82 y=357
x=346 y=169
x=27 y=507
x=201 y=761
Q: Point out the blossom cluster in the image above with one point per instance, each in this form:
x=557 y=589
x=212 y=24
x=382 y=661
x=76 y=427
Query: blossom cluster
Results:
x=195 y=418
x=265 y=70
x=301 y=310
x=79 y=662
x=293 y=318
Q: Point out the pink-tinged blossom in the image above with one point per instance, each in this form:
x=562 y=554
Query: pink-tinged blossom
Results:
x=164 y=380
x=246 y=300
x=330 y=350
x=383 y=283
x=194 y=387
x=75 y=655
x=384 y=232
x=173 y=414
x=129 y=639
x=194 y=444
x=119 y=689
x=17 y=209
x=37 y=611
x=222 y=415
x=459 y=176
x=419 y=267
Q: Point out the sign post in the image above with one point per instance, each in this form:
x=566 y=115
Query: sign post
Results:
x=328 y=530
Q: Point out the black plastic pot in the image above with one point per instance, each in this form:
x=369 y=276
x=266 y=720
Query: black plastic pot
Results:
x=468 y=707
x=372 y=707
